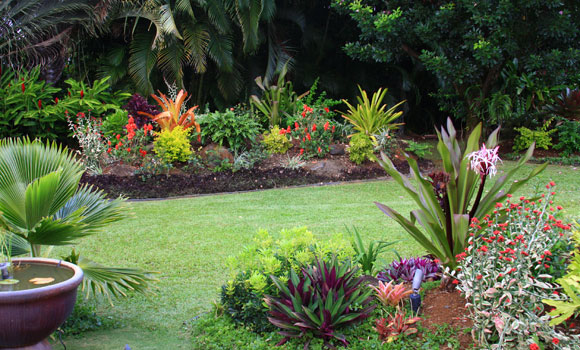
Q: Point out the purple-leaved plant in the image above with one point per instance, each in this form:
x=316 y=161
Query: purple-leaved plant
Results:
x=136 y=104
x=404 y=269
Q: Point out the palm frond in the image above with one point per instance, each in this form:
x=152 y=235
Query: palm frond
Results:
x=171 y=59
x=220 y=51
x=142 y=61
x=196 y=41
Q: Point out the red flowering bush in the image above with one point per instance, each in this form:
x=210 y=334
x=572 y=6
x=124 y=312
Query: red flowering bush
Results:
x=131 y=147
x=314 y=131
x=503 y=273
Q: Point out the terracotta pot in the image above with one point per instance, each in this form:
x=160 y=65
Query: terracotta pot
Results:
x=28 y=317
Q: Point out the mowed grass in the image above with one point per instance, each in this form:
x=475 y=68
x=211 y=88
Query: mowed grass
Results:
x=189 y=240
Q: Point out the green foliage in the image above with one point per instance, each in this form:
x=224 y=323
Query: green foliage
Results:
x=367 y=257
x=230 y=129
x=27 y=106
x=370 y=116
x=441 y=222
x=323 y=299
x=114 y=124
x=466 y=45
x=360 y=148
x=277 y=101
x=318 y=101
x=421 y=150
x=51 y=209
x=173 y=145
x=570 y=283
x=566 y=105
x=541 y=137
x=243 y=294
x=99 y=98
x=568 y=137
x=276 y=142
x=85 y=319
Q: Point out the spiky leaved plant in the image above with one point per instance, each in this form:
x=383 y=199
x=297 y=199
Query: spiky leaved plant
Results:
x=325 y=297
x=404 y=269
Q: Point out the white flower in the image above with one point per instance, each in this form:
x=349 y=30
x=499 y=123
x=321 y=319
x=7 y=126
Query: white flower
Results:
x=484 y=160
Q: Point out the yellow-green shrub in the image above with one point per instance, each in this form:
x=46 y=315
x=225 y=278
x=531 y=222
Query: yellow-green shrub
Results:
x=360 y=148
x=276 y=142
x=173 y=145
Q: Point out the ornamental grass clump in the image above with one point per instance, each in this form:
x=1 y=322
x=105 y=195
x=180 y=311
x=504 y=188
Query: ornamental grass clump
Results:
x=320 y=301
x=504 y=273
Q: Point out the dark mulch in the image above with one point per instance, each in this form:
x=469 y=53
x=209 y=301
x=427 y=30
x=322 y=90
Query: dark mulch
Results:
x=162 y=186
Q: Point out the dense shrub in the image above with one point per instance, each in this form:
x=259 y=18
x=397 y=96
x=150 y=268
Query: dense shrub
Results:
x=136 y=104
x=276 y=141
x=242 y=296
x=114 y=124
x=505 y=273
x=568 y=137
x=173 y=145
x=230 y=129
x=314 y=130
x=542 y=137
x=360 y=148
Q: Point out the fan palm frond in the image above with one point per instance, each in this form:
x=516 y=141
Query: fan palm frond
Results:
x=142 y=61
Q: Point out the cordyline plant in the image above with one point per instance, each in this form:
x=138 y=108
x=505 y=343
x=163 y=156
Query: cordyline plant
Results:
x=504 y=274
x=446 y=200
x=324 y=298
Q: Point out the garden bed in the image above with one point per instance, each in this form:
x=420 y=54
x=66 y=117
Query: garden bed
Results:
x=268 y=175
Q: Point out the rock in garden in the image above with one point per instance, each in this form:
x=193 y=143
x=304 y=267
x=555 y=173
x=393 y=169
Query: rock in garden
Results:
x=120 y=170
x=213 y=154
x=337 y=150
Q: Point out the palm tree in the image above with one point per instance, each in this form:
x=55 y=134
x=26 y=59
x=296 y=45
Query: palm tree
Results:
x=38 y=32
x=42 y=205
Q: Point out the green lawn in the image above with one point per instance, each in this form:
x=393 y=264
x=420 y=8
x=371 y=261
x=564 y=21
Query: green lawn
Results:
x=188 y=241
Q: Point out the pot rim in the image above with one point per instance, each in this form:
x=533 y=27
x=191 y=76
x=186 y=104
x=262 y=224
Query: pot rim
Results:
x=57 y=288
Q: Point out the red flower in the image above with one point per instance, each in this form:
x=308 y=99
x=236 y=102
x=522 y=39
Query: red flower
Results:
x=117 y=147
x=282 y=131
x=118 y=136
x=109 y=150
x=109 y=142
x=288 y=130
x=313 y=127
x=479 y=277
x=552 y=183
x=82 y=94
x=301 y=151
x=296 y=126
x=333 y=128
x=326 y=109
x=319 y=150
x=455 y=282
x=23 y=87
x=308 y=137
x=534 y=346
x=128 y=149
x=39 y=104
x=56 y=100
x=326 y=125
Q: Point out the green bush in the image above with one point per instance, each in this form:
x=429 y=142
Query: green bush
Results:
x=114 y=124
x=230 y=129
x=276 y=142
x=419 y=149
x=242 y=296
x=173 y=145
x=568 y=137
x=527 y=137
x=360 y=148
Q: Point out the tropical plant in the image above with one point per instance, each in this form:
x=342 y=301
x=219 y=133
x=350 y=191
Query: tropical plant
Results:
x=136 y=104
x=325 y=297
x=276 y=101
x=419 y=149
x=228 y=128
x=566 y=105
x=568 y=137
x=293 y=163
x=505 y=273
x=114 y=124
x=42 y=205
x=444 y=201
x=398 y=325
x=276 y=141
x=367 y=257
x=404 y=270
x=272 y=255
x=315 y=132
x=96 y=98
x=570 y=283
x=370 y=116
x=172 y=115
x=385 y=141
x=391 y=295
x=87 y=131
x=36 y=32
x=360 y=148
